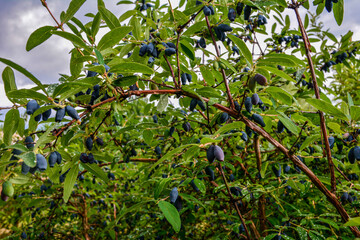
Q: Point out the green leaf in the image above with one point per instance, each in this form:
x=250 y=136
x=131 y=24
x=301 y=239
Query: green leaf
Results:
x=309 y=140
x=96 y=170
x=278 y=73
x=160 y=187
x=72 y=9
x=75 y=68
x=280 y=94
x=110 y=19
x=281 y=59
x=270 y=236
x=207 y=75
x=46 y=136
x=208 y=92
x=10 y=125
x=95 y=25
x=23 y=71
x=190 y=198
x=123 y=212
x=200 y=185
x=29 y=158
x=355 y=113
x=331 y=36
x=229 y=127
x=338 y=9
x=302 y=233
x=171 y=214
x=19 y=147
x=9 y=80
x=125 y=81
x=327 y=108
x=187 y=49
x=353 y=222
x=28 y=93
x=148 y=136
x=205 y=140
x=228 y=65
x=76 y=40
x=99 y=57
x=264 y=166
x=39 y=36
x=276 y=61
x=135 y=23
x=195 y=28
x=97 y=68
x=170 y=155
x=20 y=179
x=334 y=127
x=315 y=235
x=288 y=123
x=350 y=100
x=163 y=102
x=113 y=37
x=70 y=181
x=127 y=14
x=243 y=48
x=330 y=222
x=131 y=67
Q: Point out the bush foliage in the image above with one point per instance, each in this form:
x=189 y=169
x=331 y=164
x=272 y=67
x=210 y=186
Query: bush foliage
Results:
x=207 y=120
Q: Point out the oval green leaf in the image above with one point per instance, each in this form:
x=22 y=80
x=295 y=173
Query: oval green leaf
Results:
x=113 y=37
x=171 y=214
x=39 y=36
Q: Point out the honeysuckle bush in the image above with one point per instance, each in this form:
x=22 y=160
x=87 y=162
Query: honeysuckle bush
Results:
x=203 y=120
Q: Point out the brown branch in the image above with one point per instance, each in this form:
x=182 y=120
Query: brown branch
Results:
x=317 y=94
x=254 y=230
x=257 y=42
x=47 y=8
x=329 y=195
x=234 y=202
x=159 y=84
x=178 y=59
x=297 y=139
x=60 y=25
x=261 y=203
x=106 y=116
x=4 y=108
x=171 y=71
x=231 y=101
x=181 y=27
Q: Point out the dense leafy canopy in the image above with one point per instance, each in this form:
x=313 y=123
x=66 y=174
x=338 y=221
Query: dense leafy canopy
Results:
x=197 y=121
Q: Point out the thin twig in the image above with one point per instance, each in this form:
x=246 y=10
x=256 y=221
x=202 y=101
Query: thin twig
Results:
x=231 y=101
x=297 y=139
x=171 y=71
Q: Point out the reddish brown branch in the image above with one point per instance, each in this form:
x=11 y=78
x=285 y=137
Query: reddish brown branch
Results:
x=47 y=8
x=317 y=94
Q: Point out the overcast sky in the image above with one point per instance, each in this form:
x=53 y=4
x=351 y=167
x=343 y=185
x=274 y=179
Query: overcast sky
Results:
x=18 y=19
